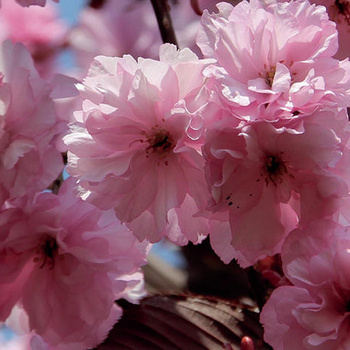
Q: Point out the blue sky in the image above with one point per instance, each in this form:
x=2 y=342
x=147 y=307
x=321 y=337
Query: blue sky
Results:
x=70 y=8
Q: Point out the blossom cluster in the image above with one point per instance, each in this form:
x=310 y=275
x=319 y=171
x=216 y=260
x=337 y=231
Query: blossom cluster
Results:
x=278 y=164
x=64 y=262
x=244 y=140
x=249 y=145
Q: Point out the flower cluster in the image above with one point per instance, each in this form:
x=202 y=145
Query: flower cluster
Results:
x=244 y=140
x=64 y=262
x=243 y=116
x=278 y=165
x=249 y=145
x=279 y=159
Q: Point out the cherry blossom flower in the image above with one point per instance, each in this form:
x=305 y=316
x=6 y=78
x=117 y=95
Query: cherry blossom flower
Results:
x=274 y=62
x=339 y=12
x=131 y=148
x=314 y=313
x=65 y=262
x=268 y=179
x=25 y=25
x=29 y=161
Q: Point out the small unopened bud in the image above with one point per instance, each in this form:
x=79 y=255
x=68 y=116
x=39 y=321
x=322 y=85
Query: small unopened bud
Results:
x=247 y=344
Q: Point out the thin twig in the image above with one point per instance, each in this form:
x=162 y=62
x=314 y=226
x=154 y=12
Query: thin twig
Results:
x=162 y=11
x=196 y=8
x=97 y=4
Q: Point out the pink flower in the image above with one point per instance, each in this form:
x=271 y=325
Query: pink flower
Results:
x=130 y=146
x=25 y=25
x=314 y=313
x=274 y=62
x=29 y=161
x=64 y=262
x=269 y=178
x=339 y=12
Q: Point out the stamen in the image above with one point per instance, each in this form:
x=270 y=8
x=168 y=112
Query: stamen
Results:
x=160 y=141
x=270 y=75
x=46 y=252
x=274 y=168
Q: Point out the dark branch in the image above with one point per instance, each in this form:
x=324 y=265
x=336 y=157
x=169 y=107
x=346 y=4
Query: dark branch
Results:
x=196 y=8
x=258 y=286
x=97 y=4
x=162 y=11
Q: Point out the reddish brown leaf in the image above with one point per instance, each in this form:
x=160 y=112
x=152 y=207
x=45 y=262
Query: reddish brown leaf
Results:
x=173 y=322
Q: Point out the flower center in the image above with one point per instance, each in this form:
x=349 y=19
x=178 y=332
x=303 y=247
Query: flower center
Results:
x=46 y=252
x=270 y=76
x=160 y=141
x=274 y=168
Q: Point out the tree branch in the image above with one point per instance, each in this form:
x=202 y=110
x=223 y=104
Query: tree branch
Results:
x=97 y=4
x=162 y=11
